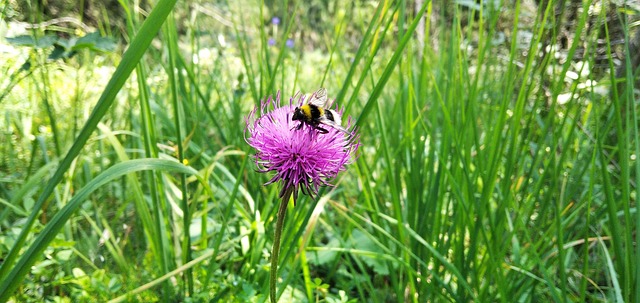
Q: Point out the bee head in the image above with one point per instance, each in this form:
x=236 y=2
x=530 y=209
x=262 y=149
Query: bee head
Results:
x=297 y=114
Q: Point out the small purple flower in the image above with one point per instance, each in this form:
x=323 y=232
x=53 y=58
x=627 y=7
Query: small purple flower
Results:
x=289 y=43
x=303 y=158
x=272 y=41
x=275 y=20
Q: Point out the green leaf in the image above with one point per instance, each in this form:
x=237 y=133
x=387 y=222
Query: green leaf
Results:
x=48 y=234
x=46 y=41
x=95 y=42
x=64 y=255
x=30 y=41
x=248 y=291
x=78 y=272
x=86 y=41
x=114 y=285
x=361 y=242
x=26 y=66
x=23 y=40
x=27 y=203
x=57 y=53
x=67 y=44
x=130 y=60
x=323 y=257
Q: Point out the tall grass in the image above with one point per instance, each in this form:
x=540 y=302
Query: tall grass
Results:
x=490 y=169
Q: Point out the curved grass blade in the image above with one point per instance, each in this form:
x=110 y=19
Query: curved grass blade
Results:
x=33 y=253
x=129 y=61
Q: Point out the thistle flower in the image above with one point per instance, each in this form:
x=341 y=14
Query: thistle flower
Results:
x=301 y=159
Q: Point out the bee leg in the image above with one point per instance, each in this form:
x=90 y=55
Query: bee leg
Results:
x=321 y=130
x=299 y=127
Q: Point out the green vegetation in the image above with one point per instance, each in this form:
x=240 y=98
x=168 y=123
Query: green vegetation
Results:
x=498 y=156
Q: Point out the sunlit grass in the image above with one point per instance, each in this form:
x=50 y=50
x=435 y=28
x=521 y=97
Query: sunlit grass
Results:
x=491 y=168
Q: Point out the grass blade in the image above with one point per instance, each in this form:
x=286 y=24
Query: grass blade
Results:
x=130 y=59
x=14 y=278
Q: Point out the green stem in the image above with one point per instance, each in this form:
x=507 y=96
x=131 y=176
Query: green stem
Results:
x=275 y=252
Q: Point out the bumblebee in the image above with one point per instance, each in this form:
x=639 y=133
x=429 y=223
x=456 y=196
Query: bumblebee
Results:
x=314 y=113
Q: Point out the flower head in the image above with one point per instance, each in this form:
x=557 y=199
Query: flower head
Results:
x=301 y=158
x=290 y=43
x=275 y=20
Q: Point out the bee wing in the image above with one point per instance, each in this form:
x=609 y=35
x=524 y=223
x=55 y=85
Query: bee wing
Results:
x=330 y=114
x=319 y=98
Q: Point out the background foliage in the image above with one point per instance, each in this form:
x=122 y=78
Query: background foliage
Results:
x=498 y=159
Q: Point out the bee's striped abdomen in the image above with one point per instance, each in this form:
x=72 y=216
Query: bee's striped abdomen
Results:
x=316 y=112
x=329 y=115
